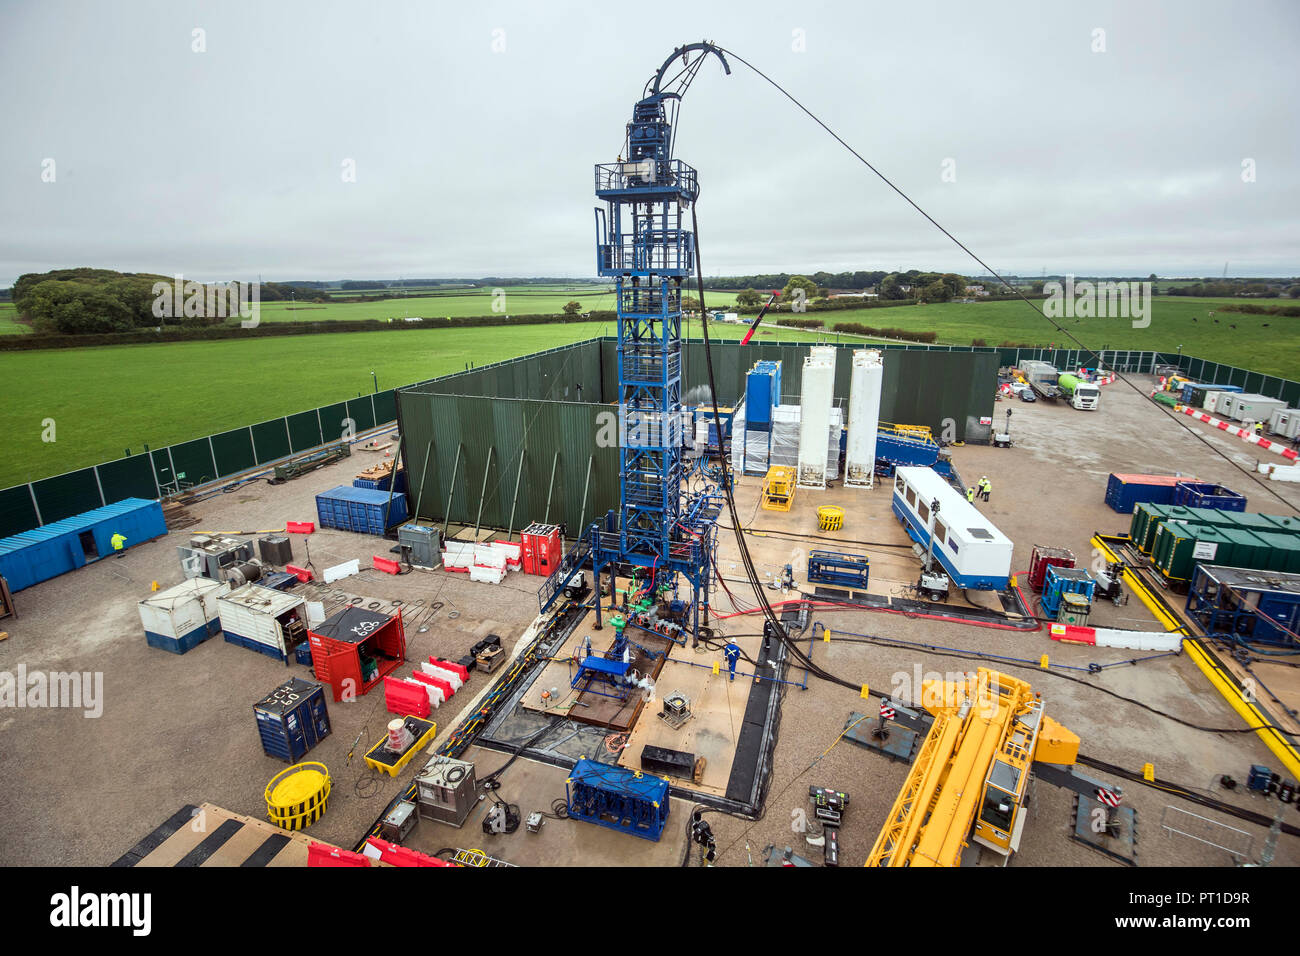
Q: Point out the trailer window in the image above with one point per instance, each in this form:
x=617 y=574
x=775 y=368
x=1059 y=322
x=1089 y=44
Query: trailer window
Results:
x=899 y=484
x=911 y=497
x=940 y=531
x=924 y=511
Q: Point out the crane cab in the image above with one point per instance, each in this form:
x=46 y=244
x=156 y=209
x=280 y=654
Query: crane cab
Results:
x=1002 y=812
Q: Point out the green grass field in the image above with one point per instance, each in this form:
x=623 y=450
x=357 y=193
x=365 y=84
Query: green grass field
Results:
x=517 y=300
x=9 y=324
x=105 y=399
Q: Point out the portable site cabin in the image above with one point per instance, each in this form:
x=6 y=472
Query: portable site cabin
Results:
x=182 y=617
x=264 y=620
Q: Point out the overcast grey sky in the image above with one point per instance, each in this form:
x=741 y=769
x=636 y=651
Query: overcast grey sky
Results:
x=228 y=163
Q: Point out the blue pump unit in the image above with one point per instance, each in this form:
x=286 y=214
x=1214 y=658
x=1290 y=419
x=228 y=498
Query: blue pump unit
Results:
x=617 y=798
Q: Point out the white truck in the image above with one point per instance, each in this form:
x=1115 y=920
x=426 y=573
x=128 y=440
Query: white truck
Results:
x=1079 y=393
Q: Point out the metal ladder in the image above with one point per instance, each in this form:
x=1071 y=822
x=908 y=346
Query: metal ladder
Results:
x=477 y=858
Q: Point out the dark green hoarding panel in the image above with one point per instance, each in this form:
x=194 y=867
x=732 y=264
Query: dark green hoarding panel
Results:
x=162 y=470
x=66 y=495
x=234 y=451
x=304 y=431
x=362 y=413
x=333 y=422
x=193 y=460
x=386 y=406
x=271 y=439
x=17 y=513
x=128 y=478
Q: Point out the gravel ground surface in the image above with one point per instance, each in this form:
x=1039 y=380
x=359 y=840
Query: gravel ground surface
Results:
x=180 y=729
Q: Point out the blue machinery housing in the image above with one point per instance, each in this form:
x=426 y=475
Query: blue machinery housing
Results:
x=1245 y=606
x=973 y=552
x=618 y=798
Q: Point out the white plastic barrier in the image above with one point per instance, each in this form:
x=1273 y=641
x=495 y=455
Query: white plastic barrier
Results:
x=435 y=695
x=489 y=557
x=455 y=559
x=478 y=572
x=344 y=570
x=442 y=673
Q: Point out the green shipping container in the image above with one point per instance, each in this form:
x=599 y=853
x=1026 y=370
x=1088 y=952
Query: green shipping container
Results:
x=1143 y=517
x=1182 y=546
x=1284 y=551
x=1212 y=517
x=1255 y=523
x=1289 y=524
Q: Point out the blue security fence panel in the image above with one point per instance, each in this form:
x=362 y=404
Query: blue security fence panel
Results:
x=53 y=549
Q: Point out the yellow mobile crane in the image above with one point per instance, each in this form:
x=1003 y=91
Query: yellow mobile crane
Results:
x=988 y=736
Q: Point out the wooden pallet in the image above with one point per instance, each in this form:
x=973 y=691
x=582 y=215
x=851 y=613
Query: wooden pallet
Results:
x=207 y=835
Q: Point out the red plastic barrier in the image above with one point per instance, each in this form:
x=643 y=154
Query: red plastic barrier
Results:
x=457 y=669
x=438 y=682
x=401 y=856
x=405 y=697
x=1073 y=634
x=300 y=527
x=384 y=564
x=322 y=854
x=302 y=574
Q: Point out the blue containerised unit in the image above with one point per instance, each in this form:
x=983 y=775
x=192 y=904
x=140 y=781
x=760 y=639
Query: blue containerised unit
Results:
x=1059 y=580
x=832 y=567
x=1206 y=494
x=762 y=394
x=618 y=798
x=184 y=616
x=1124 y=492
x=363 y=510
x=62 y=546
x=292 y=719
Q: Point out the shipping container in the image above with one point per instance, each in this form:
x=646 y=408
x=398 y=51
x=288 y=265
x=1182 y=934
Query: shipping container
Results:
x=292 y=719
x=1287 y=523
x=1284 y=551
x=1284 y=423
x=1181 y=547
x=62 y=546
x=1251 y=521
x=1200 y=394
x=1142 y=529
x=1206 y=494
x=1215 y=400
x=354 y=649
x=1043 y=557
x=360 y=510
x=180 y=618
x=542 y=548
x=1126 y=491
x=263 y=620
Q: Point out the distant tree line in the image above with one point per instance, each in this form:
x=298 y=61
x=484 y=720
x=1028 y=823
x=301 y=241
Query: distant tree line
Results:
x=1224 y=288
x=86 y=301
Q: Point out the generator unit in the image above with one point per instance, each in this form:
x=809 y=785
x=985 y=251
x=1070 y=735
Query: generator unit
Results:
x=212 y=557
x=420 y=545
x=445 y=791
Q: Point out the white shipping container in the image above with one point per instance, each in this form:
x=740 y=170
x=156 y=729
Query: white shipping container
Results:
x=1254 y=408
x=259 y=615
x=180 y=617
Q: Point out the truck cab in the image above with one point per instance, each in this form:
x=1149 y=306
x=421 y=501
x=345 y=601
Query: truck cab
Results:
x=1086 y=397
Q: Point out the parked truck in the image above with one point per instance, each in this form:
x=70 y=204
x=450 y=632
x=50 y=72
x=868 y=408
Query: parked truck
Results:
x=1042 y=377
x=1079 y=393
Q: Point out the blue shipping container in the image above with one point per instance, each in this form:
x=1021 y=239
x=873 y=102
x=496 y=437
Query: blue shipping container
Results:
x=361 y=510
x=762 y=394
x=62 y=546
x=1126 y=492
x=292 y=719
x=1206 y=494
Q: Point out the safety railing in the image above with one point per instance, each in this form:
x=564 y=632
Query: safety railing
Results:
x=648 y=174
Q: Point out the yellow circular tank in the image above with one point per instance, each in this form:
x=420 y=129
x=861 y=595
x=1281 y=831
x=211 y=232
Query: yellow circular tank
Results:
x=830 y=518
x=296 y=796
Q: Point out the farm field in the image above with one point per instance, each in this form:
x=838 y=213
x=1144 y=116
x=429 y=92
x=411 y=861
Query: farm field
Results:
x=105 y=399
x=522 y=300
x=1265 y=343
x=9 y=324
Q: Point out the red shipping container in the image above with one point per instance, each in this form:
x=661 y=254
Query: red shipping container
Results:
x=457 y=669
x=405 y=697
x=542 y=548
x=340 y=642
x=1043 y=557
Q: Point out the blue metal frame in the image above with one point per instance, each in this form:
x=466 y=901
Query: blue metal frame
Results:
x=1266 y=611
x=833 y=567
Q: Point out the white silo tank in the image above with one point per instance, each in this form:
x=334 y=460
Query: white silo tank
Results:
x=817 y=392
x=864 y=417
